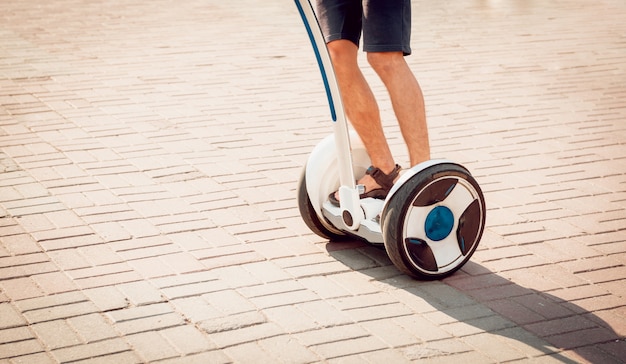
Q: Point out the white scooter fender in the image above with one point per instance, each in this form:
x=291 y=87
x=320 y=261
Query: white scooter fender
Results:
x=322 y=178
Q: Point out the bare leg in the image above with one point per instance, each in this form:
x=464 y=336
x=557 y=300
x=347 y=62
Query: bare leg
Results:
x=361 y=107
x=407 y=101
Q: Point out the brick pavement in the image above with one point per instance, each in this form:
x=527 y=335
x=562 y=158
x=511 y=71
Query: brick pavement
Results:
x=150 y=151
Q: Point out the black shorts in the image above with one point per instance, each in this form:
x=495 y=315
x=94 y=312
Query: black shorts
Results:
x=385 y=24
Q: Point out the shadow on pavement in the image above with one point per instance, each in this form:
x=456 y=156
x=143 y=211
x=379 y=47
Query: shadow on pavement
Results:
x=535 y=322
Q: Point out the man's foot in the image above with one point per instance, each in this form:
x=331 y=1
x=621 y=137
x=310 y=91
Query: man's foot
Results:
x=380 y=188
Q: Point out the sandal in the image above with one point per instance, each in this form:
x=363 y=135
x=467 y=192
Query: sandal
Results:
x=385 y=181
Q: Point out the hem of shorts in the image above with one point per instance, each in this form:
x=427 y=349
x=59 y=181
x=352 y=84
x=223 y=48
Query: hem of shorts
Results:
x=387 y=48
x=337 y=36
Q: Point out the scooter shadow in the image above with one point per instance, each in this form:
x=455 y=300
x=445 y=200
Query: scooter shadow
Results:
x=475 y=300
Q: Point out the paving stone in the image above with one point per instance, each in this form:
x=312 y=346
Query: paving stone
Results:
x=20 y=244
x=194 y=289
x=92 y=327
x=378 y=356
x=54 y=282
x=68 y=310
x=356 y=284
x=324 y=287
x=543 y=306
x=291 y=319
x=149 y=178
x=246 y=334
x=266 y=271
x=249 y=352
x=195 y=309
x=151 y=346
x=214 y=356
x=237 y=276
x=285 y=349
x=34 y=358
x=56 y=334
x=494 y=348
x=20 y=348
x=70 y=242
x=349 y=347
x=325 y=314
x=107 y=298
x=106 y=279
x=91 y=350
x=151 y=267
x=583 y=337
x=422 y=328
x=229 y=302
x=21 y=288
x=140 y=293
x=187 y=339
x=15 y=334
x=145 y=318
x=390 y=332
x=515 y=311
x=283 y=299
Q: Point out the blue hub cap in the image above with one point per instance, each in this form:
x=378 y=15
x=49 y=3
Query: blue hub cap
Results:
x=439 y=223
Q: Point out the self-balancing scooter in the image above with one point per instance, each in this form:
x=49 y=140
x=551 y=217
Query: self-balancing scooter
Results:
x=432 y=219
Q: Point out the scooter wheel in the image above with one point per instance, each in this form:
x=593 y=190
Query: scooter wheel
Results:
x=310 y=216
x=433 y=223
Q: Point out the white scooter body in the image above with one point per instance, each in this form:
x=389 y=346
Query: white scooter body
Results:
x=322 y=180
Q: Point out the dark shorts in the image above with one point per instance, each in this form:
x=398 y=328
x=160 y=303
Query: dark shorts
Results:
x=385 y=24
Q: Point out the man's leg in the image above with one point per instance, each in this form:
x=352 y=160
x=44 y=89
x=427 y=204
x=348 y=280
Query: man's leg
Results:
x=407 y=101
x=361 y=107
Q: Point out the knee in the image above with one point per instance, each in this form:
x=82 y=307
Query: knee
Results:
x=385 y=62
x=342 y=52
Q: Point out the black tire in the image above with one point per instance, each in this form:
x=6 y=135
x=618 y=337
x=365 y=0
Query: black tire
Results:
x=441 y=253
x=308 y=214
